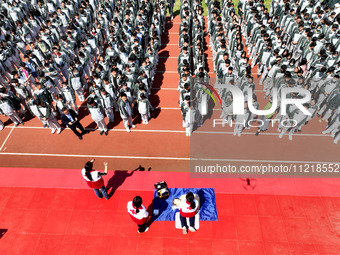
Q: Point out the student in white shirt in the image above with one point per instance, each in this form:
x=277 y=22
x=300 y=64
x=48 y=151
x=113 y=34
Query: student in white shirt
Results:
x=125 y=110
x=144 y=108
x=189 y=205
x=138 y=213
x=97 y=115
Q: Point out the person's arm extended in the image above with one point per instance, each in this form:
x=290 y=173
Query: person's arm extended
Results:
x=105 y=164
x=105 y=170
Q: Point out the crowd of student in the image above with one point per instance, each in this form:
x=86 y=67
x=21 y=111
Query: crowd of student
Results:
x=193 y=77
x=294 y=44
x=54 y=51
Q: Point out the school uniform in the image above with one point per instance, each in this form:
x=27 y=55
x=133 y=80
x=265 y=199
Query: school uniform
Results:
x=50 y=118
x=125 y=110
x=107 y=103
x=188 y=116
x=144 y=107
x=77 y=86
x=97 y=115
x=7 y=108
x=69 y=96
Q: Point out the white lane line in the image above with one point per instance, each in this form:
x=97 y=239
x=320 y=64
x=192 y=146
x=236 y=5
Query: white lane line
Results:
x=3 y=144
x=180 y=131
x=89 y=156
x=160 y=158
x=246 y=133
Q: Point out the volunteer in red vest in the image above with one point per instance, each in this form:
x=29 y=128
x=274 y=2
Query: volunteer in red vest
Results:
x=94 y=179
x=188 y=207
x=138 y=213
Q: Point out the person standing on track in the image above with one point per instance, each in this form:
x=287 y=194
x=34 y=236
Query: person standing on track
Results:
x=70 y=119
x=94 y=179
x=138 y=213
x=97 y=115
x=125 y=110
x=171 y=4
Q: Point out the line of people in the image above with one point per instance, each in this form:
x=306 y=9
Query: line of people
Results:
x=54 y=52
x=231 y=63
x=193 y=77
x=294 y=44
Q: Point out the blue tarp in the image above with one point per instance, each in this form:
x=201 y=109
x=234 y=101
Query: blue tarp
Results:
x=167 y=211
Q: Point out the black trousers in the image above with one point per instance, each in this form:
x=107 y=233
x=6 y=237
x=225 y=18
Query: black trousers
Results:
x=184 y=221
x=142 y=228
x=74 y=127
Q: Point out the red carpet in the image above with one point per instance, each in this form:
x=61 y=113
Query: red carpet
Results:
x=73 y=220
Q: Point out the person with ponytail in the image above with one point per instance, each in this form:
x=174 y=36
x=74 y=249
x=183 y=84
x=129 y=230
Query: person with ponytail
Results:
x=94 y=179
x=138 y=213
x=188 y=206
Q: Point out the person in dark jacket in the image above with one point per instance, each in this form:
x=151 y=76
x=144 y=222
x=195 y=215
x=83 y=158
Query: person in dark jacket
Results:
x=70 y=119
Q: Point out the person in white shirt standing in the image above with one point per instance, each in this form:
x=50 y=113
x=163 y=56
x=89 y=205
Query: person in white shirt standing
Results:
x=107 y=103
x=125 y=110
x=7 y=108
x=138 y=213
x=48 y=116
x=97 y=115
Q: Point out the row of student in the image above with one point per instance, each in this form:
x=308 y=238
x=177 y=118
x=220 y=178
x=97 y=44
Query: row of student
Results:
x=100 y=106
x=285 y=55
x=300 y=48
x=104 y=45
x=231 y=63
x=193 y=99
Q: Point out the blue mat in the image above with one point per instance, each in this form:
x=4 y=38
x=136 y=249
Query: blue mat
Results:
x=208 y=210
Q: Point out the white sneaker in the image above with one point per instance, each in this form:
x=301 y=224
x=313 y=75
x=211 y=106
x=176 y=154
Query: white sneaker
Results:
x=59 y=130
x=281 y=135
x=324 y=132
x=192 y=229
x=133 y=126
x=53 y=131
x=290 y=136
x=128 y=130
x=185 y=230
